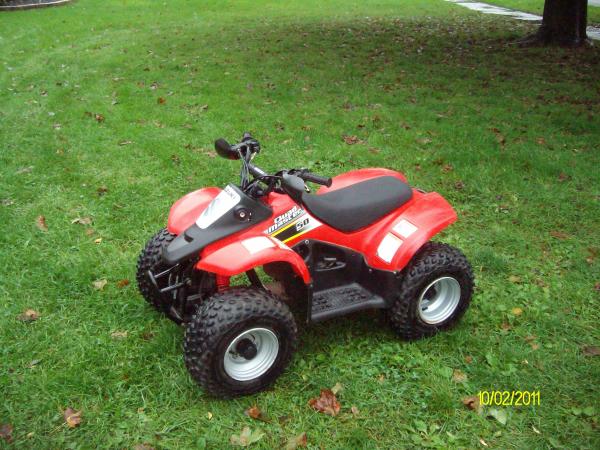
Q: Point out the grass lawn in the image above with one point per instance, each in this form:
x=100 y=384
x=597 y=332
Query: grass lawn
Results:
x=109 y=112
x=537 y=7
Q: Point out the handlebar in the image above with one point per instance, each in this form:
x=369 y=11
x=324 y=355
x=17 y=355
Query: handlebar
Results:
x=313 y=177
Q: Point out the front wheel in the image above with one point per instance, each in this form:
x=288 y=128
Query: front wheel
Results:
x=434 y=293
x=239 y=342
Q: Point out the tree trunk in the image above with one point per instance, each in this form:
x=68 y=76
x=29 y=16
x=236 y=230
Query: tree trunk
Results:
x=564 y=23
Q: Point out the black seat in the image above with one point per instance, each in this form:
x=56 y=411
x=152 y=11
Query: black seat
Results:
x=359 y=205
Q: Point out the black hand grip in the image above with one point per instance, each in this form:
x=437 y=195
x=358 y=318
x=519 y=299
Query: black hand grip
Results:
x=224 y=149
x=307 y=176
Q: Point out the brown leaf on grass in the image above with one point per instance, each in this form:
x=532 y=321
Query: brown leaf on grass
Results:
x=29 y=315
x=82 y=220
x=562 y=177
x=516 y=311
x=40 y=222
x=541 y=140
x=472 y=403
x=374 y=150
x=102 y=190
x=99 y=284
x=72 y=417
x=255 y=413
x=327 y=403
x=296 y=441
x=447 y=168
x=597 y=286
x=6 y=430
x=161 y=100
x=468 y=359
x=98 y=241
x=246 y=438
x=351 y=140
x=590 y=350
x=514 y=279
x=424 y=141
x=459 y=185
x=505 y=326
x=458 y=376
x=559 y=234
x=99 y=117
x=122 y=283
x=144 y=446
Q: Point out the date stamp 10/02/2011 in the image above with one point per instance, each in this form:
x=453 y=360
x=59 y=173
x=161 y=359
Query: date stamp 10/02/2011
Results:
x=509 y=398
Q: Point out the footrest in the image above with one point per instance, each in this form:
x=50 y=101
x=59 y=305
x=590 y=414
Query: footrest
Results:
x=343 y=300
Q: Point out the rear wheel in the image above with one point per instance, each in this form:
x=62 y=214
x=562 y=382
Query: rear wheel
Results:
x=239 y=342
x=434 y=293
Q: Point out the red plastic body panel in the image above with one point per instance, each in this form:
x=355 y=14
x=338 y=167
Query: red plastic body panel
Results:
x=235 y=258
x=428 y=212
x=186 y=210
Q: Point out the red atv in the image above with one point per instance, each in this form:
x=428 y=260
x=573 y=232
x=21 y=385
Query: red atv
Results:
x=361 y=242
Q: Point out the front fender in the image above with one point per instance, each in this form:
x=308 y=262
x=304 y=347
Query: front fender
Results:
x=428 y=215
x=186 y=210
x=243 y=255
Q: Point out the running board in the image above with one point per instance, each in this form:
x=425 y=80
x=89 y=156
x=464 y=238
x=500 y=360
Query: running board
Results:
x=342 y=300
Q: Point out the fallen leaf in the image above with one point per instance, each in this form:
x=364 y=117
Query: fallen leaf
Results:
x=591 y=350
x=40 y=222
x=541 y=140
x=143 y=446
x=516 y=311
x=424 y=141
x=597 y=287
x=327 y=403
x=6 y=430
x=505 y=326
x=72 y=417
x=535 y=430
x=498 y=414
x=99 y=284
x=82 y=220
x=381 y=378
x=254 y=412
x=514 y=279
x=468 y=359
x=246 y=438
x=351 y=140
x=459 y=185
x=161 y=100
x=458 y=376
x=29 y=315
x=562 y=177
x=534 y=345
x=98 y=241
x=354 y=410
x=296 y=441
x=99 y=118
x=374 y=150
x=447 y=168
x=119 y=334
x=559 y=235
x=102 y=190
x=122 y=283
x=482 y=442
x=209 y=415
x=472 y=403
x=337 y=388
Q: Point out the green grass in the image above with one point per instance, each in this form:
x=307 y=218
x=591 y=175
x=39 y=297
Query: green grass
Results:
x=510 y=136
x=537 y=7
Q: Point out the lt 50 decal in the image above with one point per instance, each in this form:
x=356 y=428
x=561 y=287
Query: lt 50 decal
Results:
x=292 y=224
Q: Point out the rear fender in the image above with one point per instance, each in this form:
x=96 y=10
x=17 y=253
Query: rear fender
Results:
x=238 y=257
x=186 y=210
x=427 y=216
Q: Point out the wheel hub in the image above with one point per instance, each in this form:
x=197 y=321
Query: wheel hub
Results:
x=251 y=354
x=439 y=300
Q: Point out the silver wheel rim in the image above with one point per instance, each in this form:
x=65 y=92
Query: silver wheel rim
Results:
x=439 y=300
x=241 y=368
